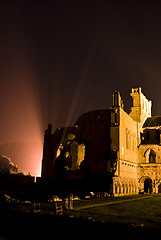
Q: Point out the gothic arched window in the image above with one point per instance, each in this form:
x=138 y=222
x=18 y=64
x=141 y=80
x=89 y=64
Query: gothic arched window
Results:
x=152 y=157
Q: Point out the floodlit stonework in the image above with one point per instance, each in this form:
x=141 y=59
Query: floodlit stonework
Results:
x=138 y=146
x=120 y=151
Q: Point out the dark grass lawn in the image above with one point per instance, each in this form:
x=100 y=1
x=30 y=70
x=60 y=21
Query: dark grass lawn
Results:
x=127 y=213
x=142 y=211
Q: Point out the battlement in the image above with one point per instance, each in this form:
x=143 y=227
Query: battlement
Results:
x=136 y=90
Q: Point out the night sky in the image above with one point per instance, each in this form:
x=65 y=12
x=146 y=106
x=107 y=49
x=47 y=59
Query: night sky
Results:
x=59 y=59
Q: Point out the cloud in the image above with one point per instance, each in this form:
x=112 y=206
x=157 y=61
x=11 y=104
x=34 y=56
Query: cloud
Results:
x=7 y=166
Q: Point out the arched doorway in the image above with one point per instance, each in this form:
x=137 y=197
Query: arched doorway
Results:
x=146 y=185
x=159 y=188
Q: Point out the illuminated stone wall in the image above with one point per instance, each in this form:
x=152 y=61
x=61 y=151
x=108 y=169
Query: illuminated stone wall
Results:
x=124 y=141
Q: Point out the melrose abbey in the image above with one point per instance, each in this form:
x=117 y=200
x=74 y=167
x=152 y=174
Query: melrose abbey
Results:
x=107 y=150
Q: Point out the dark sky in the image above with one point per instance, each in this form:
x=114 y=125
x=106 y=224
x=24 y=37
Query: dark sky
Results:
x=59 y=59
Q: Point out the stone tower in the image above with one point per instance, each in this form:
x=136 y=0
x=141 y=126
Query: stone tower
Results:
x=141 y=108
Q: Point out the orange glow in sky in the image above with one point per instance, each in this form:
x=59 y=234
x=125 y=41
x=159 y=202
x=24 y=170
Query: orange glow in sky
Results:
x=21 y=134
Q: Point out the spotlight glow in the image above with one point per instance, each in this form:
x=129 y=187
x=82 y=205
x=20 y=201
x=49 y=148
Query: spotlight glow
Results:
x=21 y=126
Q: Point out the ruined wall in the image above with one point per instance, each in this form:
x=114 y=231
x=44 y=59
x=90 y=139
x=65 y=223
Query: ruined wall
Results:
x=93 y=129
x=52 y=142
x=81 y=151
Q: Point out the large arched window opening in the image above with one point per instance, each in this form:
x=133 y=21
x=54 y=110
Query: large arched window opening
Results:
x=150 y=156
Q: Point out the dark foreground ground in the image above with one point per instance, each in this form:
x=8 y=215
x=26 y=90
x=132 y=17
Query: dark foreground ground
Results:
x=90 y=217
x=35 y=226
